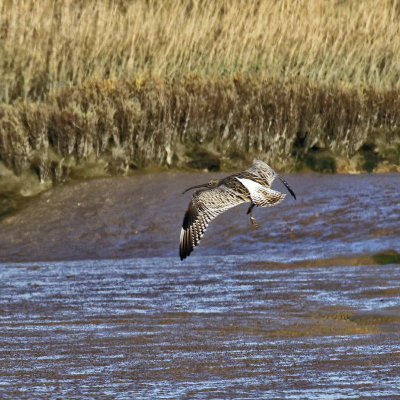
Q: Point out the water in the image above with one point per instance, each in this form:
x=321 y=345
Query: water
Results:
x=296 y=309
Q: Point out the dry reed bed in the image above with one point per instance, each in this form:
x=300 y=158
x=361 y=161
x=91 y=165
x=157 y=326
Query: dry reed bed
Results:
x=49 y=44
x=198 y=122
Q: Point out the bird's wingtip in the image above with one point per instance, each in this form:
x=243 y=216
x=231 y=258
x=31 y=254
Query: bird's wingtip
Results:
x=183 y=254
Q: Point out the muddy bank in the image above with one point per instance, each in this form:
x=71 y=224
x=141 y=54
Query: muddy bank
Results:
x=141 y=216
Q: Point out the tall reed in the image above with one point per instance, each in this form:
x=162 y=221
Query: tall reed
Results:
x=46 y=45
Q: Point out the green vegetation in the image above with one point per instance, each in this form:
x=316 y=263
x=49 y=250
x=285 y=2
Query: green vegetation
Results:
x=101 y=87
x=387 y=257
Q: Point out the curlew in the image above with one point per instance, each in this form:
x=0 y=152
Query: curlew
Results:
x=218 y=195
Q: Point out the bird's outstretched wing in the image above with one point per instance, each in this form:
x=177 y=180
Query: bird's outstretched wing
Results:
x=263 y=170
x=203 y=208
x=267 y=174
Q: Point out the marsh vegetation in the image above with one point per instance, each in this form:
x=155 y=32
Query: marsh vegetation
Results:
x=91 y=88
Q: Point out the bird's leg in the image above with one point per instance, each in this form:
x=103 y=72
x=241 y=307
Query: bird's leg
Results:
x=252 y=219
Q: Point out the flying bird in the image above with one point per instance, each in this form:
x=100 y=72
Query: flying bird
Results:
x=218 y=195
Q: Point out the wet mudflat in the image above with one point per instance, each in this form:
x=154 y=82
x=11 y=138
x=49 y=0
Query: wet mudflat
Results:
x=220 y=327
x=295 y=309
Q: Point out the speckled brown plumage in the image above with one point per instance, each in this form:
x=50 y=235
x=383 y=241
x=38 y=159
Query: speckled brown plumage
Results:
x=217 y=196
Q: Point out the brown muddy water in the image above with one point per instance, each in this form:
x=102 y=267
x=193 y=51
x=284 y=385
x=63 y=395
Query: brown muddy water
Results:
x=95 y=303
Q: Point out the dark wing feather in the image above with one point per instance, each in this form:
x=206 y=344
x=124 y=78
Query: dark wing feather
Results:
x=203 y=208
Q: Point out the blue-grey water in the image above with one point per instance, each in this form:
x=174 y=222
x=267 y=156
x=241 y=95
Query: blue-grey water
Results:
x=95 y=303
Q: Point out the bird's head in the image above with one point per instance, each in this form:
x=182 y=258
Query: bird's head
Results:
x=213 y=183
x=210 y=184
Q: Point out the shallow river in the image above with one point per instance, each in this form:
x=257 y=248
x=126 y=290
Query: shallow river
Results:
x=95 y=303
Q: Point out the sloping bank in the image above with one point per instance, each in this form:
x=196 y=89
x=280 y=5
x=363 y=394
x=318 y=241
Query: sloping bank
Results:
x=109 y=127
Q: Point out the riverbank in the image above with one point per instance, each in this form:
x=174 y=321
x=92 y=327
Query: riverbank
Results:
x=114 y=127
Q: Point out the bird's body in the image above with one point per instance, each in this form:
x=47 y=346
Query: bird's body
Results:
x=217 y=196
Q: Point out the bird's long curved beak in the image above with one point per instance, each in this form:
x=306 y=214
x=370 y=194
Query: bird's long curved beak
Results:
x=287 y=186
x=194 y=187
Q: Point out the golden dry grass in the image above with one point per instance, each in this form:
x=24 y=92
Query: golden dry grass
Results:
x=49 y=44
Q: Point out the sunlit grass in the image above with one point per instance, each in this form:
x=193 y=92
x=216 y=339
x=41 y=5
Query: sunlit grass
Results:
x=49 y=44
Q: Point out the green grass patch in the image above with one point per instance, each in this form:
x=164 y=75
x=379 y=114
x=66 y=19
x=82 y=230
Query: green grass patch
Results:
x=387 y=257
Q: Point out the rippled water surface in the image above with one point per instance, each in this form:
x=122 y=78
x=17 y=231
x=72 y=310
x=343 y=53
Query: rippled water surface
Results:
x=296 y=309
